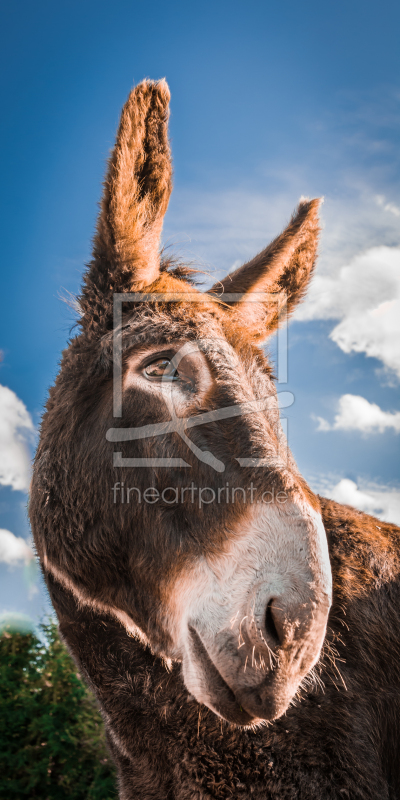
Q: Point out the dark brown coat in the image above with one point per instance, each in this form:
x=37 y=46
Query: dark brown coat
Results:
x=122 y=576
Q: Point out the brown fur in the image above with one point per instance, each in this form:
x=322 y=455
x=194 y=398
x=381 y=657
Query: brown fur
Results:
x=340 y=740
x=112 y=568
x=136 y=194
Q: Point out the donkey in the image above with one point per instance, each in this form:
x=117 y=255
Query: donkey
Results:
x=240 y=633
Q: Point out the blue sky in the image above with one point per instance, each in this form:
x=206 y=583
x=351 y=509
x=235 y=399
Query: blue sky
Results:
x=269 y=102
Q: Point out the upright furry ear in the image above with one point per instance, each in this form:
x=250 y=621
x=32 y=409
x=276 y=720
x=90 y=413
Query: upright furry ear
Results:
x=136 y=194
x=276 y=277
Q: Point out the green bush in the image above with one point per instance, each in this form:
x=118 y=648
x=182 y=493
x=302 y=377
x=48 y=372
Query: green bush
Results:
x=52 y=743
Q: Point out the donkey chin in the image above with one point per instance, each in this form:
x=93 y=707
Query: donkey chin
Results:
x=256 y=616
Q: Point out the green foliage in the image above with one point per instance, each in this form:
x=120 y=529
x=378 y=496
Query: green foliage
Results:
x=52 y=743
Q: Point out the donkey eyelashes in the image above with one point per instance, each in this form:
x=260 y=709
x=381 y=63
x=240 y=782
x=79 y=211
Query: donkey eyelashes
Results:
x=160 y=368
x=163 y=370
x=166 y=367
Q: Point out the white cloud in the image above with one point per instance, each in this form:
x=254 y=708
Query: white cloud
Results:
x=347 y=492
x=365 y=297
x=381 y=201
x=377 y=499
x=383 y=503
x=16 y=430
x=355 y=413
x=13 y=549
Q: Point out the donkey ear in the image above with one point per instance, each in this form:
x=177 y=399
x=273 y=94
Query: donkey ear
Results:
x=276 y=277
x=135 y=198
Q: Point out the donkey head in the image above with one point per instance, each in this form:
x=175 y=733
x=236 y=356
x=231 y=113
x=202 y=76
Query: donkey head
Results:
x=164 y=493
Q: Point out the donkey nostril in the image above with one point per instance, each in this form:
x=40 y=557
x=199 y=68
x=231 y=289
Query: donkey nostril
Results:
x=270 y=624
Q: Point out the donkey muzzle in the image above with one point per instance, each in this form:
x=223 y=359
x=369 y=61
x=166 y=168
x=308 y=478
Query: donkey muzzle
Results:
x=254 y=676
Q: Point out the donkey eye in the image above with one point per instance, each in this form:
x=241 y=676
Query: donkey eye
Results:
x=161 y=368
